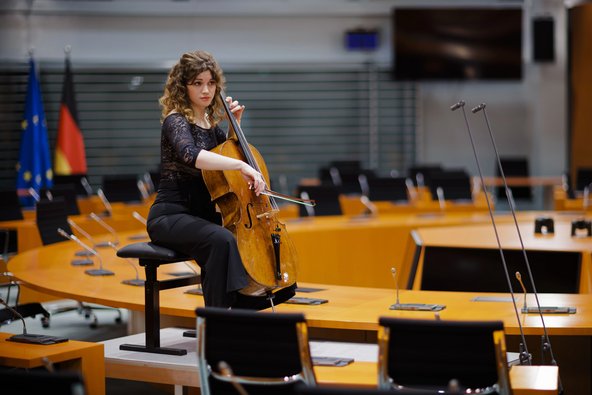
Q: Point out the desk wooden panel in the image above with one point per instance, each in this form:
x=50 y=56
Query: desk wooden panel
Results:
x=88 y=358
x=483 y=236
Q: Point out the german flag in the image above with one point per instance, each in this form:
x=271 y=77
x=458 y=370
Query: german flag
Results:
x=70 y=157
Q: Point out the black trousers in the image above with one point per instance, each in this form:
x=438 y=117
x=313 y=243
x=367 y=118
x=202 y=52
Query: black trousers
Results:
x=215 y=250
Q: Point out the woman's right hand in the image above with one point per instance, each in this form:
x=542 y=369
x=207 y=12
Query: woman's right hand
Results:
x=254 y=178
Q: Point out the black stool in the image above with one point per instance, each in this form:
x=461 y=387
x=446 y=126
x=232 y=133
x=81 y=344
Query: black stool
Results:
x=150 y=257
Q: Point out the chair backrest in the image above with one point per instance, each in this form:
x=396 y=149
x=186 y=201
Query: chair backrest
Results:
x=514 y=167
x=51 y=215
x=258 y=347
x=461 y=269
x=583 y=178
x=74 y=181
x=68 y=193
x=16 y=381
x=425 y=171
x=326 y=198
x=121 y=188
x=429 y=354
x=393 y=189
x=455 y=184
x=10 y=207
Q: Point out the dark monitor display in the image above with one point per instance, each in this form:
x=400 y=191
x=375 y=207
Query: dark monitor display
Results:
x=481 y=270
x=457 y=43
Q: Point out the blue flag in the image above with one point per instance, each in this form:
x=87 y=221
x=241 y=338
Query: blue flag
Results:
x=34 y=166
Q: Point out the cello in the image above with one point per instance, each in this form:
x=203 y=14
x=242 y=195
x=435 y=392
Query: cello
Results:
x=268 y=255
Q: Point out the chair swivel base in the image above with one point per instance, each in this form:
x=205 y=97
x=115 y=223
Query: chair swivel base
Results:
x=154 y=350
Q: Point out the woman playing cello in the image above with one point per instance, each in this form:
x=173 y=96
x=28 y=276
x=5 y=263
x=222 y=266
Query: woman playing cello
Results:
x=183 y=216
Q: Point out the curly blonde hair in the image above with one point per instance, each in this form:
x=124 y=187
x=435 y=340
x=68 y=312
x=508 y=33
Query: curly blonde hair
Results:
x=184 y=72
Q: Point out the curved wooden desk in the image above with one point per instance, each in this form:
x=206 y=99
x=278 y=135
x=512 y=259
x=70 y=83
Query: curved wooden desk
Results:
x=352 y=312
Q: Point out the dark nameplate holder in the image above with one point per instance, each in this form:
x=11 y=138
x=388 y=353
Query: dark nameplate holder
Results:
x=308 y=289
x=30 y=338
x=194 y=291
x=417 y=307
x=83 y=253
x=306 y=301
x=331 y=361
x=549 y=310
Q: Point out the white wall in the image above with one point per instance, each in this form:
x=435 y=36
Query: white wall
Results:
x=528 y=117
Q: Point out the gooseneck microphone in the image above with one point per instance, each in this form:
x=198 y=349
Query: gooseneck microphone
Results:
x=525 y=356
x=92 y=272
x=134 y=281
x=30 y=338
x=394 y=273
x=86 y=186
x=108 y=228
x=137 y=216
x=227 y=371
x=105 y=202
x=519 y=278
x=81 y=252
x=546 y=340
x=143 y=221
x=411 y=306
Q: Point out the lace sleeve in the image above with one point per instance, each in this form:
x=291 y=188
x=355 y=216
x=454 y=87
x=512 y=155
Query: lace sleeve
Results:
x=177 y=131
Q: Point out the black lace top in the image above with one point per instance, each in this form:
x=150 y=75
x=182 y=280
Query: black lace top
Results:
x=180 y=144
x=181 y=187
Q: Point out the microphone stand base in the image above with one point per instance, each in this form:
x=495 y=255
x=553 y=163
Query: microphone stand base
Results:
x=417 y=307
x=138 y=237
x=99 y=272
x=81 y=262
x=549 y=310
x=138 y=282
x=29 y=338
x=104 y=244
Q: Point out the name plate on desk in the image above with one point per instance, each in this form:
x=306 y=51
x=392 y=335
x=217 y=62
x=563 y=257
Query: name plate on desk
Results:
x=549 y=310
x=417 y=307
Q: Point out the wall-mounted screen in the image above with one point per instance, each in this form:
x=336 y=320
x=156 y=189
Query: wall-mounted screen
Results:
x=457 y=43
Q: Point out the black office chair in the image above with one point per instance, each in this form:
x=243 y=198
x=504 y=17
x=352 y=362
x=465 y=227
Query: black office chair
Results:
x=514 y=167
x=37 y=381
x=66 y=192
x=266 y=353
x=451 y=185
x=10 y=210
x=75 y=181
x=583 y=178
x=428 y=355
x=392 y=189
x=121 y=188
x=51 y=215
x=326 y=198
x=10 y=207
x=422 y=172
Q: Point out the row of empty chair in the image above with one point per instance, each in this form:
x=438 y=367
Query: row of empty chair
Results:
x=270 y=354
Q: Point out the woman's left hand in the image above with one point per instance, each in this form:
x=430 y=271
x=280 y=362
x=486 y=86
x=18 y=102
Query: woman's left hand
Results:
x=236 y=109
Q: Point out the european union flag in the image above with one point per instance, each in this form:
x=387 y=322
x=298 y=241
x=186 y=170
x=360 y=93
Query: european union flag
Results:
x=34 y=166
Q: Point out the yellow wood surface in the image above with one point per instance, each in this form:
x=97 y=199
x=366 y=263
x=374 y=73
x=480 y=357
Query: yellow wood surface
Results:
x=87 y=357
